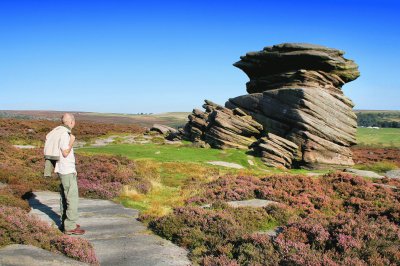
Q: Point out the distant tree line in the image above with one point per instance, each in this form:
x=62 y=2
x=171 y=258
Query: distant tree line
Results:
x=384 y=119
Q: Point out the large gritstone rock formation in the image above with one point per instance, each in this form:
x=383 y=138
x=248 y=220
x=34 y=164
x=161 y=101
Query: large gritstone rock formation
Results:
x=295 y=94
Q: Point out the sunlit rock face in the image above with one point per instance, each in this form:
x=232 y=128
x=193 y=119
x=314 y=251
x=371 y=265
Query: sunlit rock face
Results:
x=222 y=128
x=295 y=95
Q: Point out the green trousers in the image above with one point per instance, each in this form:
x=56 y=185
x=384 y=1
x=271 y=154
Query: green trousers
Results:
x=69 y=201
x=49 y=167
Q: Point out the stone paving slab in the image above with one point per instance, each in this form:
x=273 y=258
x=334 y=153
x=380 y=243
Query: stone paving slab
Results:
x=226 y=164
x=363 y=173
x=118 y=238
x=23 y=255
x=256 y=203
x=393 y=174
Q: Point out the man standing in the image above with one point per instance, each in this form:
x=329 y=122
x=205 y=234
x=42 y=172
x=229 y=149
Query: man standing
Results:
x=65 y=167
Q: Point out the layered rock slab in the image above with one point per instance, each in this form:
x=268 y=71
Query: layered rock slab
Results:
x=221 y=127
x=322 y=125
x=295 y=93
x=275 y=151
x=22 y=255
x=296 y=63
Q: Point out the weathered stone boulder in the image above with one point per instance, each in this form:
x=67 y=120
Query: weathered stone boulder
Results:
x=221 y=127
x=275 y=151
x=163 y=129
x=323 y=126
x=296 y=94
x=176 y=135
x=294 y=97
x=293 y=64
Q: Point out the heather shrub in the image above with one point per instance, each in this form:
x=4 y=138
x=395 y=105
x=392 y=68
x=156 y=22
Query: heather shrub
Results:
x=34 y=131
x=255 y=248
x=22 y=170
x=227 y=188
x=371 y=156
x=215 y=231
x=304 y=194
x=104 y=176
x=347 y=239
x=76 y=248
x=98 y=176
x=201 y=231
x=8 y=198
x=388 y=181
x=362 y=196
x=221 y=260
x=337 y=219
x=18 y=227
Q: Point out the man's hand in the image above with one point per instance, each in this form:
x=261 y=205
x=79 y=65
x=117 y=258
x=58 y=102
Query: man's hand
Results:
x=71 y=144
x=71 y=140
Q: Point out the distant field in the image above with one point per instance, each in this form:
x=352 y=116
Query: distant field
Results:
x=174 y=119
x=378 y=118
x=377 y=111
x=383 y=137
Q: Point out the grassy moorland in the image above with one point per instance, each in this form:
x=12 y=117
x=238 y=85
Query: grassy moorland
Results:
x=331 y=219
x=382 y=137
x=21 y=173
x=174 y=153
x=174 y=170
x=173 y=119
x=378 y=150
x=334 y=219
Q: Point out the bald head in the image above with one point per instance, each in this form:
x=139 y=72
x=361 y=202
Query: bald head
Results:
x=68 y=120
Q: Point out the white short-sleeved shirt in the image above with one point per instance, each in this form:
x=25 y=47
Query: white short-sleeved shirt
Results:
x=65 y=165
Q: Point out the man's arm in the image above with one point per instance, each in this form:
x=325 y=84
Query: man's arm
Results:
x=66 y=149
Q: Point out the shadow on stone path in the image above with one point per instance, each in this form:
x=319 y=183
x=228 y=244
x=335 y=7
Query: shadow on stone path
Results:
x=118 y=238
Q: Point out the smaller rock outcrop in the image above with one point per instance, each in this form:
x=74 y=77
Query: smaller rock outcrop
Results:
x=275 y=151
x=393 y=174
x=221 y=127
x=163 y=129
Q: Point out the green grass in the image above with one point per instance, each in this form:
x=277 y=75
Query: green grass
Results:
x=172 y=167
x=378 y=167
x=159 y=201
x=383 y=137
x=172 y=153
x=178 y=172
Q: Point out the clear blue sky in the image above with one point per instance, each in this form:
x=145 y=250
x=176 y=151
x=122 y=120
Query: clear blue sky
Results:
x=159 y=56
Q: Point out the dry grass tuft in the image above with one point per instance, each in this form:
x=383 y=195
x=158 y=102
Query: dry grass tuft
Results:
x=131 y=193
x=148 y=169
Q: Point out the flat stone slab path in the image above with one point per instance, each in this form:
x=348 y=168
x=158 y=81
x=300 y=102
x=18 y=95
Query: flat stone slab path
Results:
x=16 y=255
x=363 y=173
x=226 y=164
x=118 y=238
x=255 y=203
